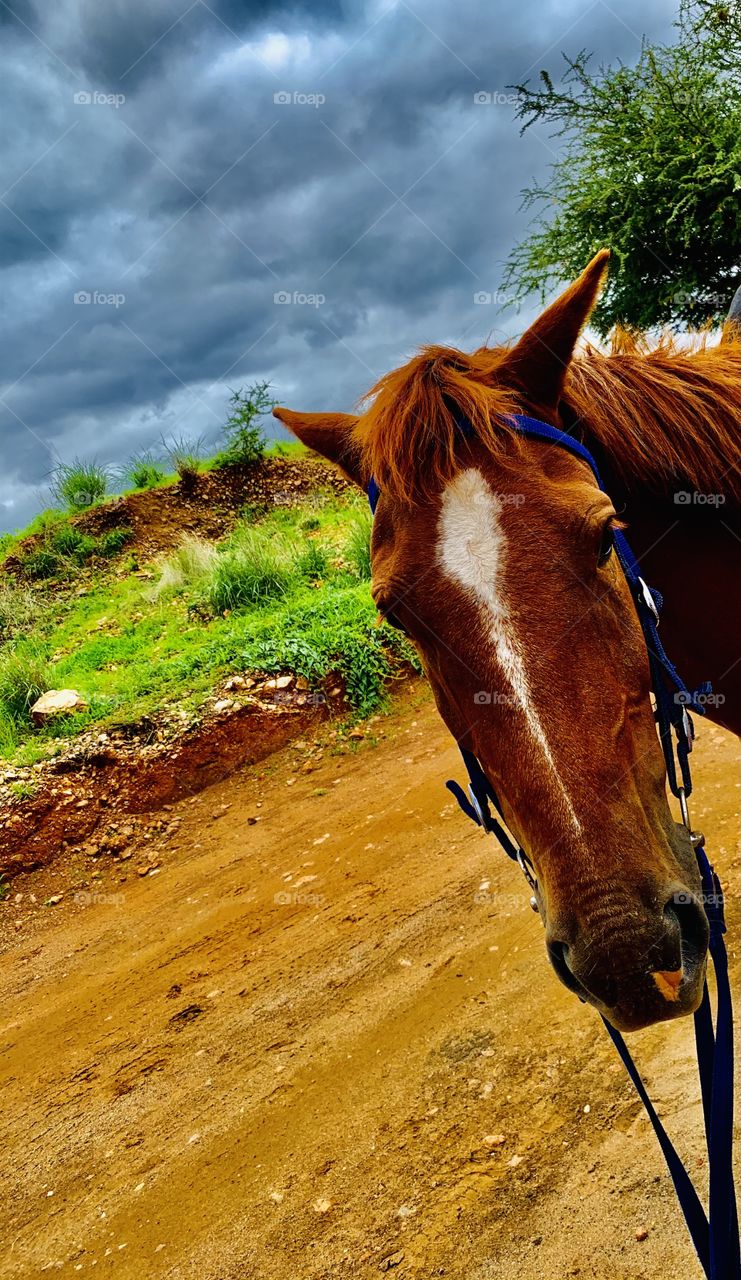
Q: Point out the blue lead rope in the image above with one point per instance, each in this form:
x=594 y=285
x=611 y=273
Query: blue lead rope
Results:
x=715 y=1235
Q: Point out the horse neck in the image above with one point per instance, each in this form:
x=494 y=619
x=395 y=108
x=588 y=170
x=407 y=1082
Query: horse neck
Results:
x=690 y=550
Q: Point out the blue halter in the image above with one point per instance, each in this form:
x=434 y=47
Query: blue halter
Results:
x=715 y=1235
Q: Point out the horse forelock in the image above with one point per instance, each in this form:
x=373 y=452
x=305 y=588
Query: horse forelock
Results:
x=410 y=430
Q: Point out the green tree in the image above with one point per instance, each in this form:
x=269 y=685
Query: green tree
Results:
x=245 y=441
x=651 y=168
x=720 y=24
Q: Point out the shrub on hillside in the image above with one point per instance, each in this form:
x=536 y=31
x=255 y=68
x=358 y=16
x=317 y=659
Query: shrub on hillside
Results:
x=186 y=457
x=64 y=548
x=42 y=563
x=66 y=540
x=72 y=544
x=24 y=676
x=245 y=441
x=253 y=569
x=143 y=472
x=79 y=484
x=313 y=562
x=187 y=566
x=110 y=543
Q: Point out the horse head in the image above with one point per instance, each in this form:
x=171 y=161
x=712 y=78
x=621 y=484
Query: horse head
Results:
x=494 y=553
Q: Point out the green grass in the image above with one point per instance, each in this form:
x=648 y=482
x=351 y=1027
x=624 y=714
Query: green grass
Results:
x=186 y=457
x=24 y=676
x=64 y=548
x=42 y=525
x=110 y=543
x=43 y=562
x=20 y=608
x=79 y=484
x=282 y=593
x=187 y=566
x=286 y=449
x=357 y=547
x=22 y=790
x=68 y=542
x=313 y=563
x=253 y=568
x=144 y=472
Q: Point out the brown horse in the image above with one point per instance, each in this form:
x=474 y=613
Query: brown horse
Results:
x=494 y=553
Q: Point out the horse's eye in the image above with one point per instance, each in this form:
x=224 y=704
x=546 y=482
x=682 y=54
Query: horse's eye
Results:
x=606 y=546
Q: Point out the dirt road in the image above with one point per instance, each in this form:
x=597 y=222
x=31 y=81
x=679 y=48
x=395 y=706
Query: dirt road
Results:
x=327 y=1043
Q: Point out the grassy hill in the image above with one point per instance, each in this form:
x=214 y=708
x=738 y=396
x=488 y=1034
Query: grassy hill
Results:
x=147 y=600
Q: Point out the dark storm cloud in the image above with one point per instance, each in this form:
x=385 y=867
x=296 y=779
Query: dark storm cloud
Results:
x=133 y=39
x=217 y=234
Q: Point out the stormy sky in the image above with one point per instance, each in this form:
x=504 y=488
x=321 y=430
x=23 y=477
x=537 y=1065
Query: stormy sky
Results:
x=199 y=195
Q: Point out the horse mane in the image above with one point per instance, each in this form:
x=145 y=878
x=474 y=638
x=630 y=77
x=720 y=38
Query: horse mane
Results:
x=664 y=414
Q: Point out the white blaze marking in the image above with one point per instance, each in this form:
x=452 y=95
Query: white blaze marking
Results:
x=472 y=549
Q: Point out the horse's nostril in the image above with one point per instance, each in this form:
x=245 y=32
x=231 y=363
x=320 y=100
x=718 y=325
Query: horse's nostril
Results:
x=685 y=914
x=648 y=961
x=596 y=982
x=559 y=956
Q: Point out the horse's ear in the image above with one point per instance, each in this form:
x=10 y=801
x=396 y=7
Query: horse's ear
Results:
x=732 y=326
x=541 y=358
x=331 y=435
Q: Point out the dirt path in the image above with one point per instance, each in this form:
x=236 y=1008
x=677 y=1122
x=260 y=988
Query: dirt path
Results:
x=281 y=1057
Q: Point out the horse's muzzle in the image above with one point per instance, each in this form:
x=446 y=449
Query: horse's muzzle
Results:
x=643 y=970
